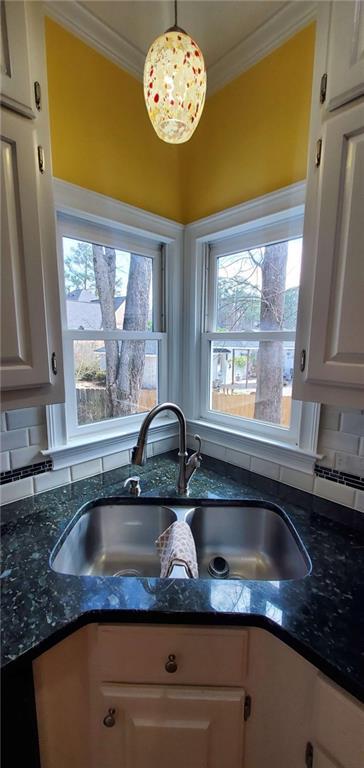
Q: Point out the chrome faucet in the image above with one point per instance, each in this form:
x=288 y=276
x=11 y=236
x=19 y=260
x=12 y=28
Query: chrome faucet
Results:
x=187 y=465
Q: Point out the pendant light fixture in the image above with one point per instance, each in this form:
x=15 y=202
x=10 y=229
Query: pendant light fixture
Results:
x=174 y=84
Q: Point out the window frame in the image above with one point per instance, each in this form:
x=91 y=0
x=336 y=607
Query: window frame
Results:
x=83 y=213
x=85 y=231
x=254 y=238
x=271 y=218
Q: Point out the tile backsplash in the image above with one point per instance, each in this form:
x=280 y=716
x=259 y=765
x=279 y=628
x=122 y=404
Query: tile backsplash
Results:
x=339 y=475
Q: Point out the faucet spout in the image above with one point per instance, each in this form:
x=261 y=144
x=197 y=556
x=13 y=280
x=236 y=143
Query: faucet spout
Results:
x=187 y=466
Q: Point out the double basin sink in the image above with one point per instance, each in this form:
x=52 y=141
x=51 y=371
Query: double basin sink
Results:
x=239 y=540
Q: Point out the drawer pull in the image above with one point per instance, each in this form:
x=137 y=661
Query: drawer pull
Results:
x=171 y=664
x=109 y=719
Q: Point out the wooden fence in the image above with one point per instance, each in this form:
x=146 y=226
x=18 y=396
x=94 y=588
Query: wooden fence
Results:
x=92 y=403
x=243 y=405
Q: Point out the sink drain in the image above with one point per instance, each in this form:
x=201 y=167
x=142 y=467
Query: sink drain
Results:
x=128 y=572
x=218 y=567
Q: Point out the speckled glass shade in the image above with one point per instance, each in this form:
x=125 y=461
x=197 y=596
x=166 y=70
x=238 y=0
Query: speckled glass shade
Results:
x=174 y=85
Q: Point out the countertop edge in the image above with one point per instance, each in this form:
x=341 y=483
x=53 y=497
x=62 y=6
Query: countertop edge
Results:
x=113 y=616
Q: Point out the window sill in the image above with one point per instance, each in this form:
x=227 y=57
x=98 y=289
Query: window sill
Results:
x=218 y=440
x=87 y=447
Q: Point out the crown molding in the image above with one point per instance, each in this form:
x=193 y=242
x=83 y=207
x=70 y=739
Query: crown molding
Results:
x=97 y=34
x=270 y=35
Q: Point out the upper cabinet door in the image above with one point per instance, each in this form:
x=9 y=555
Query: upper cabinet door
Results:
x=335 y=347
x=345 y=73
x=16 y=89
x=24 y=348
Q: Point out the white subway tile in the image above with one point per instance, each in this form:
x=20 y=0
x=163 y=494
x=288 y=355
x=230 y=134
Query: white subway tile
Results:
x=86 y=469
x=338 y=441
x=263 y=467
x=353 y=423
x=115 y=460
x=3 y=421
x=51 y=479
x=25 y=417
x=168 y=444
x=297 y=479
x=21 y=457
x=327 y=489
x=328 y=459
x=17 y=490
x=237 y=458
x=4 y=461
x=38 y=436
x=16 y=438
x=214 y=450
x=346 y=462
x=330 y=417
x=359 y=500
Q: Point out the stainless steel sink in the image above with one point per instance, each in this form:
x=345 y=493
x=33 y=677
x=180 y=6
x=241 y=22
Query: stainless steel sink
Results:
x=256 y=543
x=243 y=541
x=114 y=540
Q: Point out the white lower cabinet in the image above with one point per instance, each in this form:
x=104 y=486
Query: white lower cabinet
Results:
x=338 y=727
x=169 y=727
x=106 y=698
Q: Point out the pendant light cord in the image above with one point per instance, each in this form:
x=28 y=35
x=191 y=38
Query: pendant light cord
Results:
x=175 y=27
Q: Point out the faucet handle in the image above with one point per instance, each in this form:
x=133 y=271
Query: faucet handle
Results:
x=198 y=452
x=132 y=485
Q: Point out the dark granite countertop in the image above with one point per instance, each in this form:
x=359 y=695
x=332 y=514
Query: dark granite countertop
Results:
x=321 y=616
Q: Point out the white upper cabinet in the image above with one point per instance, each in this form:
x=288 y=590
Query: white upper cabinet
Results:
x=31 y=344
x=16 y=89
x=345 y=69
x=23 y=311
x=329 y=365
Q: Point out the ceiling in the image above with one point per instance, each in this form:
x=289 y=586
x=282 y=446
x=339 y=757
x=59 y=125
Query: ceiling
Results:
x=233 y=34
x=217 y=25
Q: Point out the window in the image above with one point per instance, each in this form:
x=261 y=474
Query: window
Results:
x=114 y=338
x=250 y=311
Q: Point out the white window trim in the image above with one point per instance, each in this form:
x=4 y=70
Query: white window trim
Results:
x=99 y=210
x=284 y=207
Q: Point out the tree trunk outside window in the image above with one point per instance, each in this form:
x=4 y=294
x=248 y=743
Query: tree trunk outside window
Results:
x=268 y=401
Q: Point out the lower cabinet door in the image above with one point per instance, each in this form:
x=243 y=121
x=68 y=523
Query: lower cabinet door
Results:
x=168 y=727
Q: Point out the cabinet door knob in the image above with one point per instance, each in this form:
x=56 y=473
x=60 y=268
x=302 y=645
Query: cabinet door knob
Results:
x=109 y=719
x=171 y=664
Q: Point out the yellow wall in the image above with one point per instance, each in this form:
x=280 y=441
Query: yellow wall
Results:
x=252 y=137
x=102 y=138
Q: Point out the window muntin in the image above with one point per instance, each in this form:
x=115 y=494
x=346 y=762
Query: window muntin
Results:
x=114 y=348
x=250 y=316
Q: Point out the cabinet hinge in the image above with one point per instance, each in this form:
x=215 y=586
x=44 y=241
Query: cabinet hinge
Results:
x=41 y=160
x=54 y=363
x=309 y=755
x=247 y=707
x=323 y=88
x=302 y=360
x=318 y=153
x=37 y=95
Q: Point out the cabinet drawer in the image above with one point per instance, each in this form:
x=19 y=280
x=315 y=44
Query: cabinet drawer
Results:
x=140 y=654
